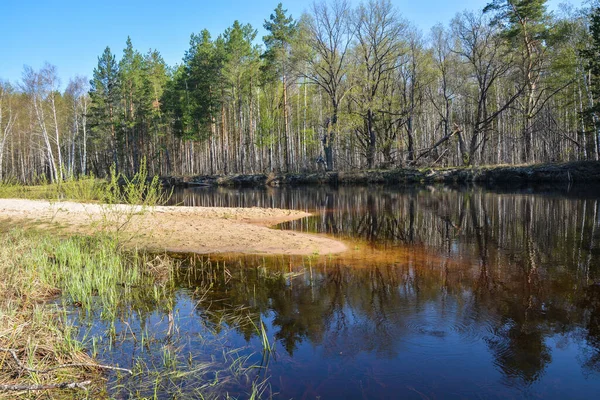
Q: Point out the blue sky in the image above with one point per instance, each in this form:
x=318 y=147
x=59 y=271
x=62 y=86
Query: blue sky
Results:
x=72 y=34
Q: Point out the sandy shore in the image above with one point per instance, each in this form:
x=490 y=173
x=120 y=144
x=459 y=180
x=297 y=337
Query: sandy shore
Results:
x=183 y=229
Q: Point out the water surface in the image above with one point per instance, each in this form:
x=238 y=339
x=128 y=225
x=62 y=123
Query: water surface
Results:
x=445 y=293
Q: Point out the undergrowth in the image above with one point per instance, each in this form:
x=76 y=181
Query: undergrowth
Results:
x=116 y=189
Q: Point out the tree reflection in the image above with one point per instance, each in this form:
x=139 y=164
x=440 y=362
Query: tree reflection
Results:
x=502 y=268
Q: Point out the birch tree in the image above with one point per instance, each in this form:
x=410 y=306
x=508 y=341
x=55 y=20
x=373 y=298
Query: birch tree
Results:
x=7 y=119
x=36 y=87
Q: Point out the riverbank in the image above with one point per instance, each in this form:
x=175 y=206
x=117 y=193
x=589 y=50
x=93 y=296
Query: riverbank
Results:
x=579 y=172
x=44 y=278
x=201 y=230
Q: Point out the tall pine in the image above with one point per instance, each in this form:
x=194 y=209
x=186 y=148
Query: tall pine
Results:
x=104 y=108
x=281 y=32
x=524 y=26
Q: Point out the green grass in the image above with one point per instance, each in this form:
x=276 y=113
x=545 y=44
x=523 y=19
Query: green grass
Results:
x=85 y=189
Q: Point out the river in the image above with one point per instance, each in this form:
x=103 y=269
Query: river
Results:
x=446 y=292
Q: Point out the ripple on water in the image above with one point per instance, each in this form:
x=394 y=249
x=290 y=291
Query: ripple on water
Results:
x=453 y=330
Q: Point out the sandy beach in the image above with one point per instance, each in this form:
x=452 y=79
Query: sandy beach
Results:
x=181 y=229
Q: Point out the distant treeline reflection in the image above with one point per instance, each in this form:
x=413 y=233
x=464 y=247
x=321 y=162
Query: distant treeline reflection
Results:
x=510 y=269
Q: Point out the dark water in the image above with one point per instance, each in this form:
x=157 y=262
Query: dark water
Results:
x=445 y=293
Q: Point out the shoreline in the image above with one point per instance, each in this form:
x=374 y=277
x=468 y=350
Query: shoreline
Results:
x=570 y=172
x=201 y=230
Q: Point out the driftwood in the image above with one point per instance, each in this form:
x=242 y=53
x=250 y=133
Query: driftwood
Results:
x=63 y=385
x=22 y=366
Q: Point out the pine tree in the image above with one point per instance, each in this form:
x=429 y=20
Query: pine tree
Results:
x=135 y=103
x=282 y=30
x=238 y=70
x=524 y=26
x=155 y=82
x=104 y=94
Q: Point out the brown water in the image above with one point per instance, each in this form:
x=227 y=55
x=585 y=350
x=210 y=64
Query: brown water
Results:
x=445 y=293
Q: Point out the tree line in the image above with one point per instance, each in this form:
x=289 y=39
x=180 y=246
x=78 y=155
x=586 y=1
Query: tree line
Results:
x=342 y=87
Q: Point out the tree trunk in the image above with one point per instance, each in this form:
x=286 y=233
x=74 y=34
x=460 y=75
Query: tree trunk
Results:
x=371 y=143
x=328 y=140
x=286 y=161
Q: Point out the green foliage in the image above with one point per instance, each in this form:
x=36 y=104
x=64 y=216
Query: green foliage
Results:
x=82 y=189
x=266 y=131
x=137 y=190
x=119 y=189
x=241 y=62
x=281 y=32
x=193 y=97
x=104 y=93
x=519 y=18
x=125 y=103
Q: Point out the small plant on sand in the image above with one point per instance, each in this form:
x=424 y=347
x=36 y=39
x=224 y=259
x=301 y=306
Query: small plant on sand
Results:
x=137 y=190
x=125 y=198
x=83 y=188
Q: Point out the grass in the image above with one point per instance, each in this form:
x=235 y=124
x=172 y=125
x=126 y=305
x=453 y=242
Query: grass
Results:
x=116 y=189
x=46 y=277
x=39 y=332
x=86 y=272
x=92 y=273
x=88 y=189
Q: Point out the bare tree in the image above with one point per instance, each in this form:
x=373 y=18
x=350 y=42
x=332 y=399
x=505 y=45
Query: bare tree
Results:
x=480 y=48
x=330 y=35
x=378 y=30
x=441 y=95
x=412 y=92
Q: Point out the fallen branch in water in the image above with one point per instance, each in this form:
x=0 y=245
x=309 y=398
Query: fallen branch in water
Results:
x=75 y=365
x=64 y=385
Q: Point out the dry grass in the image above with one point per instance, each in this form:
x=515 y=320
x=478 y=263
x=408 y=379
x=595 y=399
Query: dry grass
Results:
x=36 y=329
x=37 y=268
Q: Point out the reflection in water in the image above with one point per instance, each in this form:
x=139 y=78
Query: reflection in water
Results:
x=481 y=294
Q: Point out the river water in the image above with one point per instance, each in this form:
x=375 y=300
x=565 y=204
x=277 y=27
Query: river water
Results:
x=445 y=293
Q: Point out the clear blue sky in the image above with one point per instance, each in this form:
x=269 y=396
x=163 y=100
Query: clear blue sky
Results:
x=72 y=34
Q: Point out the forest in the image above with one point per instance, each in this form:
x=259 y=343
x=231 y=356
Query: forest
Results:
x=340 y=87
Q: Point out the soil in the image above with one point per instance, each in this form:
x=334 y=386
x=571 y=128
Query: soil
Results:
x=175 y=229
